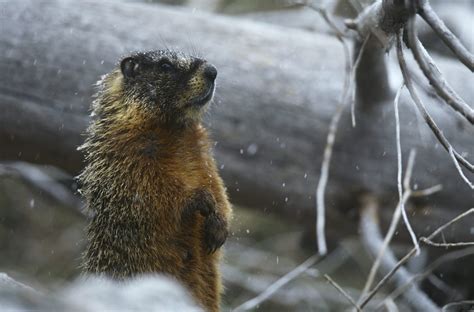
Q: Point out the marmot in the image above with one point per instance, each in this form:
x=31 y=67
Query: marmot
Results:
x=158 y=202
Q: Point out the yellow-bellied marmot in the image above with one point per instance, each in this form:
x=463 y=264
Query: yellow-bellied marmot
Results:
x=151 y=182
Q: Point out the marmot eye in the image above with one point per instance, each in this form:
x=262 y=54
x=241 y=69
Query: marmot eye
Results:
x=166 y=65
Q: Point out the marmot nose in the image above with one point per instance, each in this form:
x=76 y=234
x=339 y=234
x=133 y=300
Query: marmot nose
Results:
x=210 y=72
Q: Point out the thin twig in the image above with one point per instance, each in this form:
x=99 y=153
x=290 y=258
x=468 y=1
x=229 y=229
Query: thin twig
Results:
x=393 y=226
x=342 y=291
x=421 y=107
x=458 y=167
x=435 y=77
x=278 y=284
x=426 y=11
x=408 y=174
x=427 y=192
x=429 y=269
x=352 y=79
x=386 y=242
x=444 y=226
x=447 y=245
x=349 y=83
x=402 y=261
x=406 y=182
x=324 y=14
x=373 y=241
x=322 y=183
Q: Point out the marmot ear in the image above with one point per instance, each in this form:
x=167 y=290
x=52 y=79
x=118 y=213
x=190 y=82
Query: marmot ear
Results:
x=129 y=67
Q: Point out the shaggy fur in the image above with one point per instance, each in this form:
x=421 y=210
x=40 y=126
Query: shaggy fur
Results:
x=151 y=182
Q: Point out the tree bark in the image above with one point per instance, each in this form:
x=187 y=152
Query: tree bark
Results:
x=277 y=91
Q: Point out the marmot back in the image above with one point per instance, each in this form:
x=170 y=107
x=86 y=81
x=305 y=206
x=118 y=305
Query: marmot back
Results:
x=158 y=203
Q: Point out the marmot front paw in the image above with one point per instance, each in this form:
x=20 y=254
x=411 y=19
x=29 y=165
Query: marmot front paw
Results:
x=215 y=226
x=215 y=232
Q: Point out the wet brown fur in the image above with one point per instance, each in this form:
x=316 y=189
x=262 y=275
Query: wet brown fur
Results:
x=146 y=182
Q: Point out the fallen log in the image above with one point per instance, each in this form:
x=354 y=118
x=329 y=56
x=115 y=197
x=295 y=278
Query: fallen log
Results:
x=277 y=91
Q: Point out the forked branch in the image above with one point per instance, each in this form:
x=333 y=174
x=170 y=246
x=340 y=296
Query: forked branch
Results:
x=421 y=107
x=389 y=275
x=373 y=240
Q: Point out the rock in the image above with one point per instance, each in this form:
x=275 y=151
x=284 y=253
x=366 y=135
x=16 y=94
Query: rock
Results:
x=94 y=294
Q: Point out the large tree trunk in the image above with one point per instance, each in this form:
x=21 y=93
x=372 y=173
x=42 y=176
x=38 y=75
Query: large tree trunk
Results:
x=277 y=91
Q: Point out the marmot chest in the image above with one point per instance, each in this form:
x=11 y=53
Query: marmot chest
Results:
x=178 y=175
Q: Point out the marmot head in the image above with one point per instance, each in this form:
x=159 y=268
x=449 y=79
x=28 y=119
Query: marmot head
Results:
x=157 y=86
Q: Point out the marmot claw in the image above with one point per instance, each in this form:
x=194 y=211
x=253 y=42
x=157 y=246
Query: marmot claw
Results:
x=215 y=232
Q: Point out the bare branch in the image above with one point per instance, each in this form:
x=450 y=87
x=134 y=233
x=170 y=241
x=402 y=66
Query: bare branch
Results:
x=37 y=178
x=372 y=239
x=435 y=77
x=322 y=183
x=342 y=291
x=430 y=268
x=409 y=255
x=458 y=167
x=444 y=226
x=426 y=11
x=421 y=107
x=427 y=192
x=373 y=60
x=352 y=78
x=447 y=245
x=383 y=248
x=279 y=283
x=406 y=182
x=349 y=83
x=398 y=211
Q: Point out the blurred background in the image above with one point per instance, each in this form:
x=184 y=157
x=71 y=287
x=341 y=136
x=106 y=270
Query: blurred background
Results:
x=281 y=75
